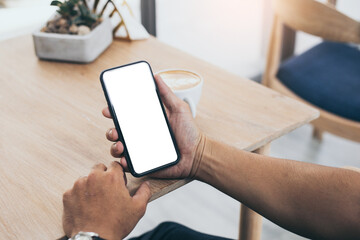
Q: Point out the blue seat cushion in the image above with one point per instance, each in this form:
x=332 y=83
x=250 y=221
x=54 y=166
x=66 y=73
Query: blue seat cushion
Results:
x=328 y=76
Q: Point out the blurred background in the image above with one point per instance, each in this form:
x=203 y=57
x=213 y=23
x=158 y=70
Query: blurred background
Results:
x=233 y=35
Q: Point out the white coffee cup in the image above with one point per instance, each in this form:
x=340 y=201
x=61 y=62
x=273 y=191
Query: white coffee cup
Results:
x=186 y=84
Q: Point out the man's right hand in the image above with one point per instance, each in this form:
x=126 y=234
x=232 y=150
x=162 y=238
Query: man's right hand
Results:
x=188 y=137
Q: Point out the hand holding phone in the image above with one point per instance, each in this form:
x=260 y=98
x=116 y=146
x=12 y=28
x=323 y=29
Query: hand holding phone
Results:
x=186 y=133
x=139 y=118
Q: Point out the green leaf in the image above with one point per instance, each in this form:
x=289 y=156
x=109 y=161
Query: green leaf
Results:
x=64 y=11
x=73 y=12
x=84 y=10
x=74 y=2
x=64 y=8
x=78 y=21
x=70 y=5
x=56 y=3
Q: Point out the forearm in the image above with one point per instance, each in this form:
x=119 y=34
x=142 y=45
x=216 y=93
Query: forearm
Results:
x=311 y=200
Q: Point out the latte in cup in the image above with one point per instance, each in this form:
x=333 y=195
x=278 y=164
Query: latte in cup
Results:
x=180 y=79
x=186 y=85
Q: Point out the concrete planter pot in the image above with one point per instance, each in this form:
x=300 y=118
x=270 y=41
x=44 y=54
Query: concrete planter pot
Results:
x=73 y=48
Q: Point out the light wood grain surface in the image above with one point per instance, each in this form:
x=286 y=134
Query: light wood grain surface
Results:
x=52 y=130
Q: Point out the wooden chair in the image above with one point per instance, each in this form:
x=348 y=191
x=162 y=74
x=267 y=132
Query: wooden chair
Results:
x=326 y=76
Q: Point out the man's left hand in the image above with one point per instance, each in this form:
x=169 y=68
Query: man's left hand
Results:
x=101 y=203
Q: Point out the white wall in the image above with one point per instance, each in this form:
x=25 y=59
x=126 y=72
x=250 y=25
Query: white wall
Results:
x=231 y=34
x=225 y=33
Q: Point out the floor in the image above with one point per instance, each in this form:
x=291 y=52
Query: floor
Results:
x=198 y=205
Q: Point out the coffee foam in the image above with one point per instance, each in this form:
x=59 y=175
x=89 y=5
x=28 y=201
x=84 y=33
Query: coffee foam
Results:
x=180 y=80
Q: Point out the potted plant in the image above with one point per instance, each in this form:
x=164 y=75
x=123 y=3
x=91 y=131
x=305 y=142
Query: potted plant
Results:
x=74 y=34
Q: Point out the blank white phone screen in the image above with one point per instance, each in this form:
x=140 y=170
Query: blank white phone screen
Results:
x=132 y=93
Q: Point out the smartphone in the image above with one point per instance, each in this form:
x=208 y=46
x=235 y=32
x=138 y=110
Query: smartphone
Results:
x=139 y=118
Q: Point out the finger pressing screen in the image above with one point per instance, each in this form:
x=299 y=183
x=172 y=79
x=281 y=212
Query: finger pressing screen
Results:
x=115 y=167
x=124 y=164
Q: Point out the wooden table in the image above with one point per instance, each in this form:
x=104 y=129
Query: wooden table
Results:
x=52 y=130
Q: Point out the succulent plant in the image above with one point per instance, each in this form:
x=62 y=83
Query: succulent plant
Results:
x=76 y=12
x=74 y=16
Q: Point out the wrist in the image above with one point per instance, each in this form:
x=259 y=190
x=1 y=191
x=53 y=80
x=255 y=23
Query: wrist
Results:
x=209 y=162
x=198 y=156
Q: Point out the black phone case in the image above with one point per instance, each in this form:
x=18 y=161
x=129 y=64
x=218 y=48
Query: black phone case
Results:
x=118 y=128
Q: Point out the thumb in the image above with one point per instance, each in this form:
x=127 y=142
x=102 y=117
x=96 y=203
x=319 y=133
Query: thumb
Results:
x=143 y=194
x=169 y=98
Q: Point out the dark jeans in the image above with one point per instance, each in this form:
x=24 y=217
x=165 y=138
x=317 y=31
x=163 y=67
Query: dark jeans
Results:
x=175 y=231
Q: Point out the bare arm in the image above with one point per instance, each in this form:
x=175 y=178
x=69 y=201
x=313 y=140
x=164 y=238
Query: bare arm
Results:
x=311 y=200
x=307 y=199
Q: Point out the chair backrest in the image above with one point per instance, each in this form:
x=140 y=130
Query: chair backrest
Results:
x=318 y=19
x=311 y=17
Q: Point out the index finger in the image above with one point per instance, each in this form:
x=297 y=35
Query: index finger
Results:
x=106 y=112
x=115 y=167
x=116 y=170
